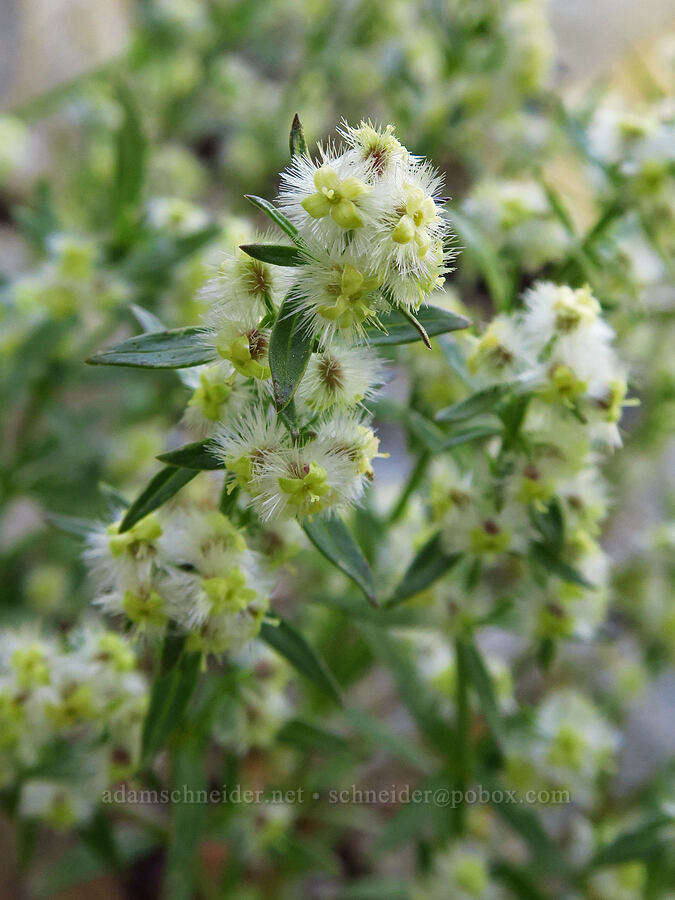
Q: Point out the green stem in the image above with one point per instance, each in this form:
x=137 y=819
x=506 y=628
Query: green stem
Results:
x=413 y=481
x=463 y=738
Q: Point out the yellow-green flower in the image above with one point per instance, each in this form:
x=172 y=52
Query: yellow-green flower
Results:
x=353 y=300
x=335 y=198
x=307 y=490
x=137 y=540
x=212 y=393
x=247 y=353
x=417 y=213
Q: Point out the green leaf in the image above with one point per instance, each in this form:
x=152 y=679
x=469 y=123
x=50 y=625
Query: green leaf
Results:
x=332 y=538
x=414 y=422
x=99 y=835
x=290 y=349
x=545 y=857
x=485 y=257
x=478 y=432
x=115 y=499
x=277 y=217
x=71 y=524
x=153 y=261
x=283 y=638
x=177 y=348
x=481 y=402
x=187 y=819
x=198 y=455
x=641 y=842
x=378 y=737
x=297 y=142
x=276 y=254
x=309 y=737
x=166 y=483
x=551 y=525
x=430 y=563
x=130 y=156
x=169 y=699
x=423 y=705
x=398 y=330
x=481 y=682
x=519 y=880
x=146 y=319
x=556 y=566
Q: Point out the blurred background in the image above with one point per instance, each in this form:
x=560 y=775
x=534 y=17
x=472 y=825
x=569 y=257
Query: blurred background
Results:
x=201 y=95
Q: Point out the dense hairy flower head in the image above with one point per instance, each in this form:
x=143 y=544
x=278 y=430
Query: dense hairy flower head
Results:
x=461 y=872
x=516 y=216
x=340 y=377
x=202 y=540
x=234 y=331
x=558 y=310
x=570 y=747
x=350 y=438
x=114 y=557
x=262 y=703
x=244 y=445
x=378 y=147
x=638 y=141
x=501 y=350
x=69 y=694
x=326 y=198
x=176 y=215
x=240 y=279
x=304 y=481
x=218 y=396
x=338 y=293
x=221 y=612
x=409 y=221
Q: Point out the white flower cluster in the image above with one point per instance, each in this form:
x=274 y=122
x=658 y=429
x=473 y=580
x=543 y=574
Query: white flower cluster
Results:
x=192 y=567
x=371 y=219
x=372 y=237
x=569 y=390
x=71 y=280
x=641 y=142
x=252 y=717
x=70 y=720
x=516 y=217
x=461 y=872
x=571 y=745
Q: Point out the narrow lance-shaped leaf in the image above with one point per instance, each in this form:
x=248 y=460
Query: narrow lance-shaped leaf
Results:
x=482 y=684
x=430 y=563
x=146 y=319
x=275 y=254
x=277 y=217
x=166 y=483
x=130 y=149
x=170 y=696
x=283 y=638
x=187 y=819
x=547 y=559
x=481 y=402
x=198 y=455
x=71 y=524
x=646 y=840
x=290 y=350
x=332 y=538
x=297 y=142
x=398 y=330
x=485 y=257
x=175 y=349
x=416 y=696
